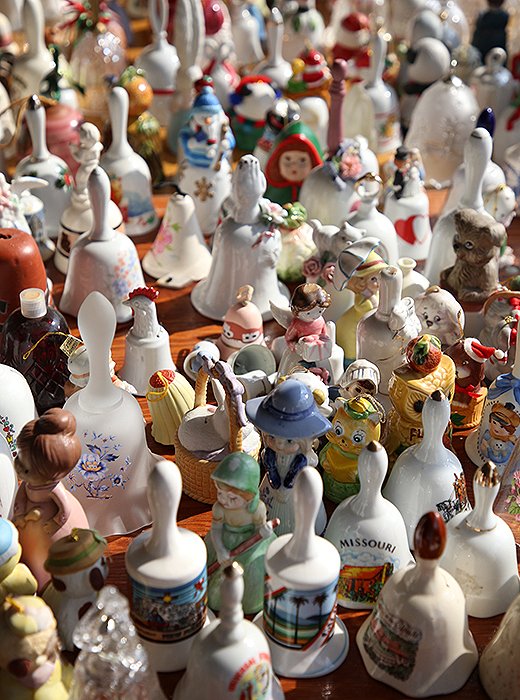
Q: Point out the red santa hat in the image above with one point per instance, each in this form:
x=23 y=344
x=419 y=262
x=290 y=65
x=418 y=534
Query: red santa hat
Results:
x=314 y=68
x=354 y=31
x=481 y=353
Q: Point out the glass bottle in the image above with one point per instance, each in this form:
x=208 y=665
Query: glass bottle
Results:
x=31 y=343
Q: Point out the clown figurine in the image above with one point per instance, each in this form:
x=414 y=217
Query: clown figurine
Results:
x=358 y=269
x=295 y=153
x=205 y=143
x=289 y=420
x=239 y=529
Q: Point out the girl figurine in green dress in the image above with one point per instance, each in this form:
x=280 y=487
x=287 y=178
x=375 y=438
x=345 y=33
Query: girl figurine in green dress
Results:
x=238 y=516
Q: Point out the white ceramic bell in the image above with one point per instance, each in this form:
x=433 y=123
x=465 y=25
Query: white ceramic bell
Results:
x=420 y=615
x=246 y=249
x=110 y=478
x=414 y=283
x=481 y=551
x=441 y=123
x=275 y=66
x=179 y=254
x=77 y=218
x=102 y=260
x=493 y=83
x=147 y=343
x=369 y=533
x=428 y=476
x=304 y=25
x=384 y=333
x=384 y=100
x=167 y=570
x=497 y=435
x=42 y=164
x=230 y=658
x=159 y=61
x=358 y=116
x=372 y=221
x=477 y=154
x=410 y=215
x=306 y=638
x=16 y=408
x=130 y=178
x=224 y=76
x=31 y=67
x=499 y=661
x=8 y=481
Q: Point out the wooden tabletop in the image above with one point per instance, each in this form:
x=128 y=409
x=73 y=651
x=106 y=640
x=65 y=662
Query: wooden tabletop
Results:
x=186 y=327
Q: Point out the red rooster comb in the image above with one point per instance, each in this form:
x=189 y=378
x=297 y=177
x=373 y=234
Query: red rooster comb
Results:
x=148 y=292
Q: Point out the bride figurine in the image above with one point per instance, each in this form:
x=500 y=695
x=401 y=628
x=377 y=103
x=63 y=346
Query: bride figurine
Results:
x=246 y=248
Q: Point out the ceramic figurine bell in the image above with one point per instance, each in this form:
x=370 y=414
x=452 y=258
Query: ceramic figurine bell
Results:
x=353 y=44
x=304 y=25
x=78 y=570
x=357 y=422
x=369 y=533
x=179 y=254
x=245 y=31
x=160 y=62
x=103 y=259
x=297 y=243
x=358 y=269
x=167 y=570
x=252 y=99
x=31 y=67
x=239 y=530
x=372 y=221
x=275 y=66
x=206 y=143
x=360 y=377
x=428 y=475
x=130 y=179
x=111 y=660
x=17 y=408
x=15 y=578
x=383 y=334
x=440 y=125
x=230 y=658
x=147 y=343
x=477 y=243
x=308 y=338
x=306 y=638
x=426 y=369
x=414 y=284
x=245 y=250
x=498 y=662
x=77 y=217
x=467 y=404
x=28 y=638
x=41 y=163
x=110 y=477
x=48 y=449
x=493 y=83
x=499 y=428
x=481 y=551
x=419 y=613
x=440 y=315
x=289 y=421
x=242 y=325
x=477 y=155
x=170 y=396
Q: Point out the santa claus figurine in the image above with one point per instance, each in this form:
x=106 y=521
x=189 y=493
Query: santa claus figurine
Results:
x=352 y=45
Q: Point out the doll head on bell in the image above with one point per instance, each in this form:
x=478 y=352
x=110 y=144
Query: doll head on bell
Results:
x=243 y=324
x=309 y=301
x=440 y=314
x=48 y=448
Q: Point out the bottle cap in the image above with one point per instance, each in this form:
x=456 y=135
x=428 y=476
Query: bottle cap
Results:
x=32 y=303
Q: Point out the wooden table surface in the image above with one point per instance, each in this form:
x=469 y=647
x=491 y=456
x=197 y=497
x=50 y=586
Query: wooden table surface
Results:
x=186 y=327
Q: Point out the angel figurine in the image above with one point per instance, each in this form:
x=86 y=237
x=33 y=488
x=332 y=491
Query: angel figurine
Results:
x=309 y=339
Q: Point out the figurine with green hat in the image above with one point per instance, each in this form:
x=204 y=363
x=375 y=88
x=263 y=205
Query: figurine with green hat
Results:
x=295 y=153
x=238 y=517
x=289 y=420
x=15 y=578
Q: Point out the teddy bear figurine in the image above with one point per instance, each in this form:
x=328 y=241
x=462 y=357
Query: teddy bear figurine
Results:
x=15 y=578
x=477 y=243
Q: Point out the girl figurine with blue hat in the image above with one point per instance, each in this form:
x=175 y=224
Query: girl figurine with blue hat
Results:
x=289 y=420
x=205 y=146
x=15 y=578
x=239 y=529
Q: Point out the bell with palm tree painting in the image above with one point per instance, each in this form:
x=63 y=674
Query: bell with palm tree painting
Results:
x=305 y=637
